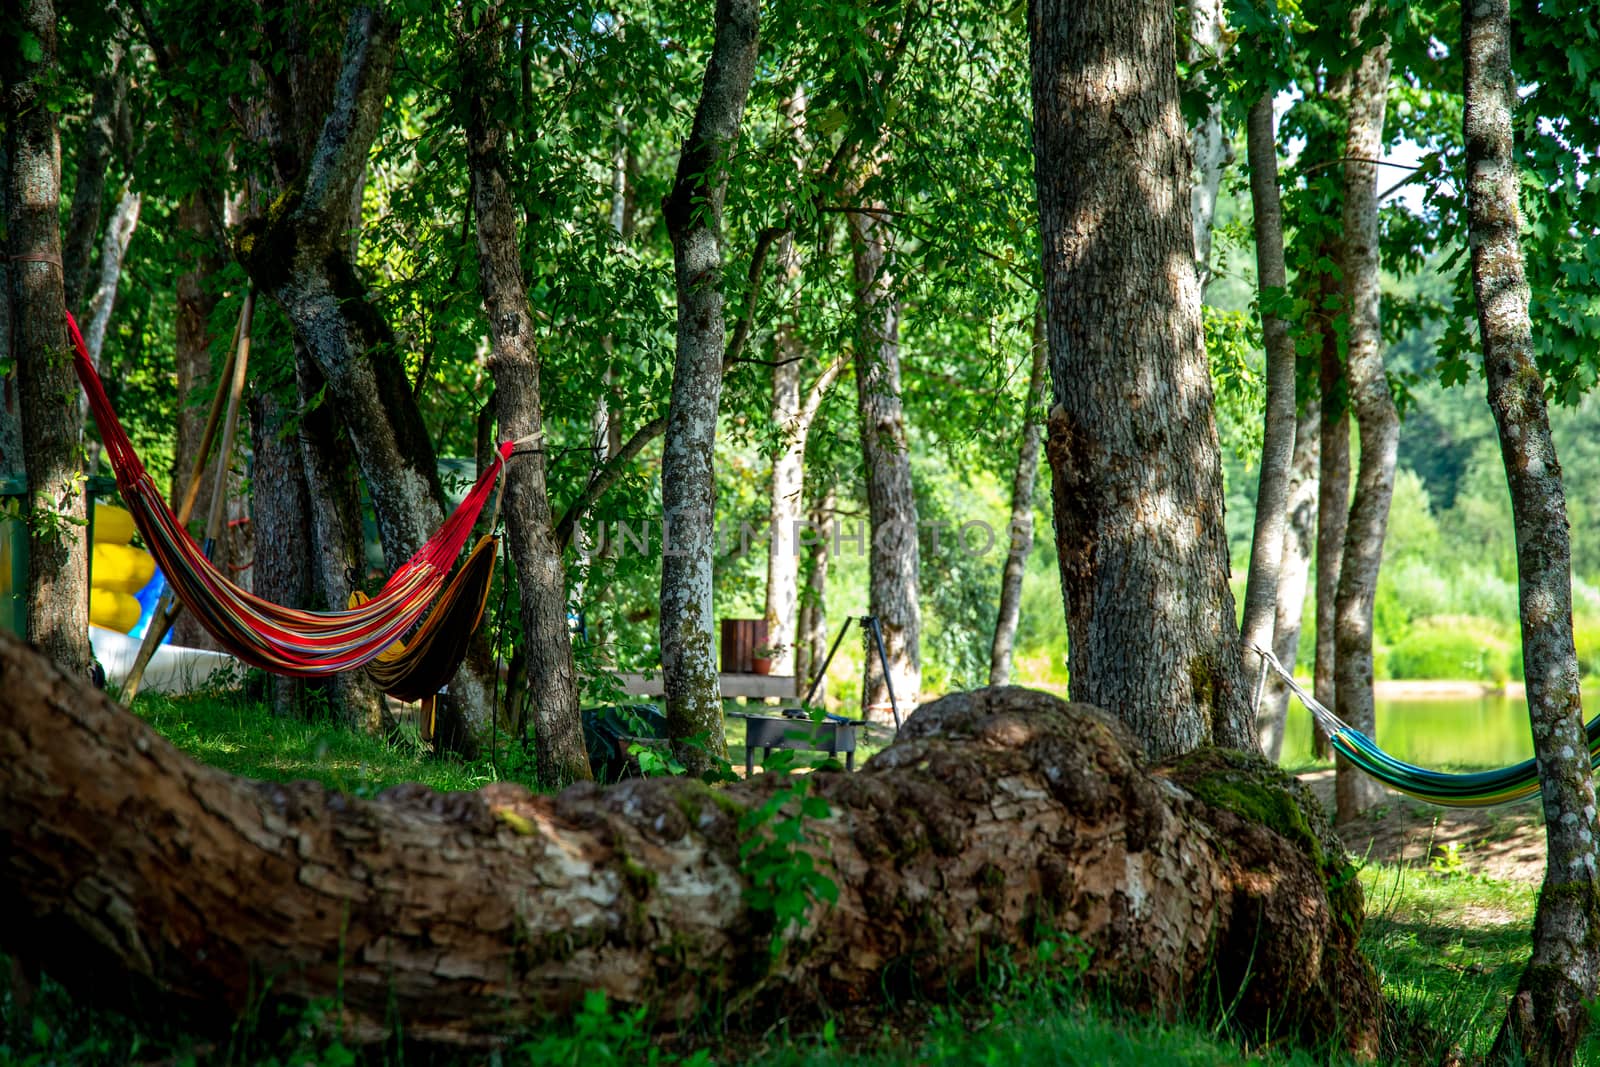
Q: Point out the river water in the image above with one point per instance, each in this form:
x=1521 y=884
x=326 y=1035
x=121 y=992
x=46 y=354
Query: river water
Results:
x=1453 y=734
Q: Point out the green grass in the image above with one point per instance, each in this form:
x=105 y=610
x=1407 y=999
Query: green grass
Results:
x=1448 y=947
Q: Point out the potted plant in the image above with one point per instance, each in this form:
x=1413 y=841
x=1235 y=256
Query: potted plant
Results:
x=761 y=659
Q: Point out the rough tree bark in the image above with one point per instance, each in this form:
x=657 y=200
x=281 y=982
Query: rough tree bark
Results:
x=102 y=299
x=693 y=212
x=58 y=588
x=1277 y=446
x=1333 y=488
x=280 y=512
x=1377 y=424
x=299 y=252
x=337 y=538
x=995 y=815
x=894 y=555
x=1548 y=1016
x=1294 y=574
x=1020 y=531
x=513 y=364
x=1132 y=443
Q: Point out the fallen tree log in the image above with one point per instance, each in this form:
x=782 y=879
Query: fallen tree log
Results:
x=128 y=870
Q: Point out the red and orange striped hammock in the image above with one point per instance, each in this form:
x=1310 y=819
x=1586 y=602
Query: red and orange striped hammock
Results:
x=262 y=634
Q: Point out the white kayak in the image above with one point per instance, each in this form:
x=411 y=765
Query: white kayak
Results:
x=173 y=669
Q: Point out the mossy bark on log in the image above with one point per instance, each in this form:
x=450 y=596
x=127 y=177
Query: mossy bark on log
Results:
x=997 y=815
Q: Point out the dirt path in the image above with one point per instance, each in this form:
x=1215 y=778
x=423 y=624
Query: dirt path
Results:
x=1505 y=843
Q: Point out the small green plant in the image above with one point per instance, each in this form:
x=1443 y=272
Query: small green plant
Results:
x=1447 y=860
x=598 y=1035
x=783 y=875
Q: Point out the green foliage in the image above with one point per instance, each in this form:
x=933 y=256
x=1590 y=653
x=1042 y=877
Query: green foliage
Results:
x=599 y=1036
x=778 y=859
x=1453 y=647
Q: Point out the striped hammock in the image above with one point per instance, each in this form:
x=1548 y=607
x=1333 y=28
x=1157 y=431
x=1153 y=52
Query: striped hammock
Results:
x=288 y=641
x=1481 y=789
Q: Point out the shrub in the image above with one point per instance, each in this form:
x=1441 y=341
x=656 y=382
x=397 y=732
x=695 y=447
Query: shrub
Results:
x=1453 y=646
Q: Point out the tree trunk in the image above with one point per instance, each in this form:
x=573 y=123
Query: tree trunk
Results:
x=1376 y=420
x=201 y=248
x=299 y=252
x=103 y=298
x=1135 y=467
x=1333 y=489
x=693 y=213
x=513 y=364
x=995 y=815
x=1277 y=447
x=1209 y=142
x=1547 y=1019
x=788 y=467
x=58 y=587
x=93 y=163
x=338 y=540
x=894 y=556
x=280 y=515
x=811 y=630
x=1294 y=572
x=1020 y=532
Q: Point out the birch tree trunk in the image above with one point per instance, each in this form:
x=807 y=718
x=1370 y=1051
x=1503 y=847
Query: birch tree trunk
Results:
x=788 y=467
x=1376 y=420
x=1132 y=443
x=58 y=587
x=1294 y=572
x=513 y=364
x=1277 y=447
x=95 y=146
x=811 y=634
x=894 y=555
x=693 y=213
x=1208 y=141
x=1020 y=530
x=1547 y=1018
x=473 y=916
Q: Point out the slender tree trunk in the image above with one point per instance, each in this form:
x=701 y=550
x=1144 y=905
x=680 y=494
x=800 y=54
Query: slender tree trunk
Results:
x=788 y=467
x=473 y=916
x=894 y=556
x=1209 y=141
x=1020 y=531
x=1136 y=470
x=1333 y=490
x=1547 y=1019
x=103 y=298
x=93 y=163
x=11 y=464
x=1376 y=420
x=811 y=631
x=1277 y=448
x=58 y=588
x=201 y=248
x=1294 y=573
x=693 y=213
x=513 y=363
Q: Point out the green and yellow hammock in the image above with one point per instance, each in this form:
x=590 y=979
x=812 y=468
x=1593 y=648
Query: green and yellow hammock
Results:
x=1477 y=790
x=298 y=643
